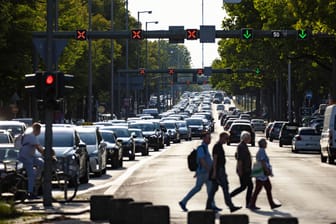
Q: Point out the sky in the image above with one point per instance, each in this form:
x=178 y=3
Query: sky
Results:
x=187 y=13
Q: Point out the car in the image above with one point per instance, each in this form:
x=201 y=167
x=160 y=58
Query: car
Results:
x=306 y=139
x=141 y=143
x=185 y=131
x=258 y=125
x=124 y=135
x=275 y=130
x=152 y=131
x=172 y=131
x=236 y=129
x=196 y=126
x=14 y=127
x=114 y=151
x=9 y=153
x=6 y=137
x=70 y=151
x=287 y=133
x=328 y=135
x=96 y=148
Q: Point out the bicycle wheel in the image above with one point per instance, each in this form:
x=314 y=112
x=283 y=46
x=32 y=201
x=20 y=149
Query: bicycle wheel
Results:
x=64 y=189
x=15 y=184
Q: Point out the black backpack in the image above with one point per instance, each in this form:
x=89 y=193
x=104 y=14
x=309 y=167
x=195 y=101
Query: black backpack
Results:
x=192 y=160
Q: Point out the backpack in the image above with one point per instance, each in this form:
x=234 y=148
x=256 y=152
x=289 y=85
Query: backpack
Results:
x=18 y=141
x=192 y=160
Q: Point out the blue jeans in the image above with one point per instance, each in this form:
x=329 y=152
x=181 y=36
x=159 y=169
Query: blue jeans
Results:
x=201 y=178
x=33 y=166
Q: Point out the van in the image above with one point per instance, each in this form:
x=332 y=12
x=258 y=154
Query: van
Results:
x=328 y=135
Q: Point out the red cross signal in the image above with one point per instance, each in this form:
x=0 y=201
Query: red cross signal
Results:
x=142 y=71
x=81 y=34
x=200 y=71
x=171 y=71
x=136 y=34
x=192 y=34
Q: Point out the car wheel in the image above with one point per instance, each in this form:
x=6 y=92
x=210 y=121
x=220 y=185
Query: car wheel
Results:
x=156 y=148
x=131 y=157
x=115 y=162
x=86 y=177
x=280 y=144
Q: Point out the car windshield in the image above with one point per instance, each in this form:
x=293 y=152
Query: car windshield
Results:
x=89 y=138
x=121 y=132
x=195 y=122
x=181 y=124
x=309 y=132
x=14 y=130
x=169 y=125
x=138 y=133
x=108 y=137
x=60 y=139
x=4 y=138
x=143 y=127
x=8 y=153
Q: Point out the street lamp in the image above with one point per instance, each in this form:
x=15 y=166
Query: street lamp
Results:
x=146 y=79
x=139 y=12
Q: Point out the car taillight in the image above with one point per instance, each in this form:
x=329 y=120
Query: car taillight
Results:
x=298 y=138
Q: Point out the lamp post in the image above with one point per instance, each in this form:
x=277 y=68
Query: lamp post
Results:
x=139 y=12
x=146 y=79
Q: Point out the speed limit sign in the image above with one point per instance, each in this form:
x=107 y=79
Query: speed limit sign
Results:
x=276 y=33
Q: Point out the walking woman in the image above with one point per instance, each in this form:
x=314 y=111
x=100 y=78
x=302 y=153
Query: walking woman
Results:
x=263 y=180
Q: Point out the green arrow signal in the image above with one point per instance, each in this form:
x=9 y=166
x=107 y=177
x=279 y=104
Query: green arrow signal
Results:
x=302 y=34
x=247 y=34
x=257 y=71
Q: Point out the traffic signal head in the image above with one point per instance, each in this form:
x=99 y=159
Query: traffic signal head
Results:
x=302 y=34
x=246 y=33
x=33 y=84
x=81 y=35
x=49 y=85
x=257 y=71
x=171 y=71
x=142 y=71
x=192 y=34
x=136 y=34
x=64 y=84
x=200 y=71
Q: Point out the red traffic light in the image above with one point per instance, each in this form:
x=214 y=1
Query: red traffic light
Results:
x=81 y=35
x=142 y=71
x=50 y=80
x=171 y=71
x=200 y=71
x=136 y=34
x=192 y=34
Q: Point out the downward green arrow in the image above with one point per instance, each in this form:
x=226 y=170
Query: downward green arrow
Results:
x=257 y=71
x=302 y=34
x=247 y=34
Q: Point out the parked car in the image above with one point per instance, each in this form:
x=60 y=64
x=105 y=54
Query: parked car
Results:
x=307 y=139
x=287 y=133
x=275 y=130
x=328 y=135
x=185 y=131
x=114 y=151
x=172 y=131
x=141 y=143
x=197 y=127
x=258 y=125
x=70 y=151
x=9 y=153
x=96 y=148
x=124 y=135
x=236 y=130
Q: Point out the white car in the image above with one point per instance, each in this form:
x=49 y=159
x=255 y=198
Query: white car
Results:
x=258 y=125
x=307 y=139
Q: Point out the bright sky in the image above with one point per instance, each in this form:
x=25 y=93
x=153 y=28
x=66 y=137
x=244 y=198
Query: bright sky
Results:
x=187 y=13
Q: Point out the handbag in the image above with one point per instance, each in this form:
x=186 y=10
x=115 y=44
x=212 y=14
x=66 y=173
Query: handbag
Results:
x=257 y=169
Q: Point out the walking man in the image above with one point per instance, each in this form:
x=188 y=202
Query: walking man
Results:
x=218 y=173
x=244 y=164
x=31 y=163
x=202 y=172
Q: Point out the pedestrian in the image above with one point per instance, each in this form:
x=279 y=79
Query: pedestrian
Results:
x=31 y=163
x=202 y=173
x=218 y=174
x=263 y=180
x=244 y=164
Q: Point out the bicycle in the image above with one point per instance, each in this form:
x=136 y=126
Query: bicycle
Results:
x=14 y=183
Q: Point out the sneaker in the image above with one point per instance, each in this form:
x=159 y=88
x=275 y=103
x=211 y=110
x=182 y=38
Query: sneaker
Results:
x=183 y=206
x=254 y=208
x=275 y=206
x=235 y=208
x=215 y=208
x=32 y=196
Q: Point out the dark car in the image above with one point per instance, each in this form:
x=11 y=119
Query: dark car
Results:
x=9 y=153
x=124 y=135
x=114 y=152
x=185 y=131
x=141 y=143
x=196 y=126
x=96 y=148
x=287 y=133
x=275 y=130
x=152 y=131
x=70 y=151
x=236 y=130
x=171 y=130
